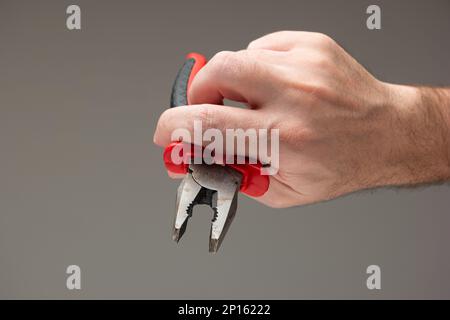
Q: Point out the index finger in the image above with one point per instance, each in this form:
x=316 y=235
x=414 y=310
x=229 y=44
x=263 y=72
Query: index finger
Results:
x=240 y=76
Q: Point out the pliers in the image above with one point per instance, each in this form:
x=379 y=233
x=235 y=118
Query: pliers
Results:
x=212 y=184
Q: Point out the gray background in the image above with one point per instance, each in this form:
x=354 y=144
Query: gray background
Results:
x=81 y=182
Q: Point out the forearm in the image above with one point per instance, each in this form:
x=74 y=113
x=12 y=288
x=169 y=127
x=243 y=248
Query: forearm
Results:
x=437 y=102
x=423 y=135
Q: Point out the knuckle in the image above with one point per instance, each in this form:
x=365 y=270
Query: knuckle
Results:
x=206 y=115
x=323 y=41
x=292 y=133
x=230 y=66
x=253 y=44
x=258 y=43
x=222 y=60
x=285 y=33
x=227 y=64
x=161 y=126
x=163 y=119
x=252 y=58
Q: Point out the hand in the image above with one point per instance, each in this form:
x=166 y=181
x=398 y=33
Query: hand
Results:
x=341 y=130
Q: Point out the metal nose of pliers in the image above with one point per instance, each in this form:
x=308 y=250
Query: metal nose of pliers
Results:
x=213 y=185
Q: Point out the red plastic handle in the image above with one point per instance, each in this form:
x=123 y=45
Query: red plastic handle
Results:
x=253 y=182
x=200 y=61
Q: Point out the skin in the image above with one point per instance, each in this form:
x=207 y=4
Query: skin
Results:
x=341 y=130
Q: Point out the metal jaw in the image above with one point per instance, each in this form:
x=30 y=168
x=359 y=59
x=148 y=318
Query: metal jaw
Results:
x=214 y=185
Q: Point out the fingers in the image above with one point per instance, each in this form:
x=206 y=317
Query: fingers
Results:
x=209 y=116
x=283 y=195
x=279 y=195
x=240 y=76
x=288 y=40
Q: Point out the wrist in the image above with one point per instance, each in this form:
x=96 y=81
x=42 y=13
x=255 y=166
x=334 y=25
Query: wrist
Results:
x=419 y=149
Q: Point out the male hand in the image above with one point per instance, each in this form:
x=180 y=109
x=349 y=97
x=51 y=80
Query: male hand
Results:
x=341 y=130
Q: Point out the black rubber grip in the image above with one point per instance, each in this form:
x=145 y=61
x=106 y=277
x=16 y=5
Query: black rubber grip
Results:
x=180 y=86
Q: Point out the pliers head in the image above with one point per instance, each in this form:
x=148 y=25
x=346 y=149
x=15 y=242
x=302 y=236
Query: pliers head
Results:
x=214 y=185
